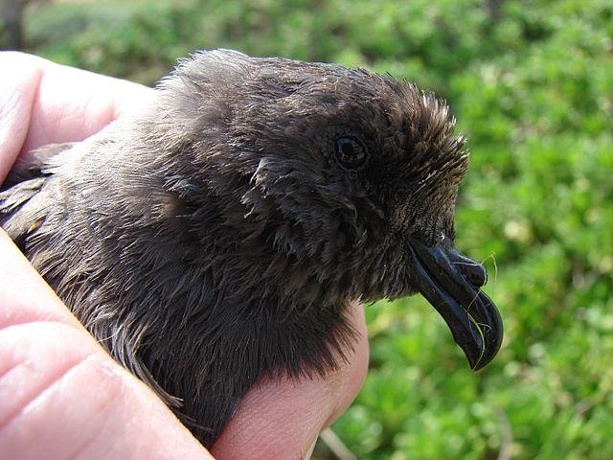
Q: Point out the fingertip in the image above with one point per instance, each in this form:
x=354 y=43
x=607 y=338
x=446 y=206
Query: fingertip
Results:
x=18 y=90
x=42 y=102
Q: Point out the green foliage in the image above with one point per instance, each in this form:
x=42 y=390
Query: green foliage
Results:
x=530 y=83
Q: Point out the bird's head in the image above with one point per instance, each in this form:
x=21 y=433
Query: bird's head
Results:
x=351 y=176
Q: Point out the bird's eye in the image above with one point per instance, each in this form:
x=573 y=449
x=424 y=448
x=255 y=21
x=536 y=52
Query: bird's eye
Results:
x=350 y=153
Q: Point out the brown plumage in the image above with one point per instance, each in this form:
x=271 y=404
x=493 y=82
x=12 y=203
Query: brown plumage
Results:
x=218 y=235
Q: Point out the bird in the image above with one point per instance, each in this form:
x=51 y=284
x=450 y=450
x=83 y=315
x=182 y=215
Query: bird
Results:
x=217 y=235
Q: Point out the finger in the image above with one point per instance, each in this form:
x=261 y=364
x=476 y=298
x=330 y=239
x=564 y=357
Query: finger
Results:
x=61 y=395
x=282 y=419
x=24 y=296
x=43 y=103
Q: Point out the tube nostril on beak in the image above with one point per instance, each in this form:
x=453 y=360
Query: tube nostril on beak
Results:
x=475 y=272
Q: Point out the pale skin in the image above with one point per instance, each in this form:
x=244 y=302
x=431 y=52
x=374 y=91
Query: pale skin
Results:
x=61 y=395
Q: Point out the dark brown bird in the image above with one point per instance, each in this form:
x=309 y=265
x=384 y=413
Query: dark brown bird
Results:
x=218 y=235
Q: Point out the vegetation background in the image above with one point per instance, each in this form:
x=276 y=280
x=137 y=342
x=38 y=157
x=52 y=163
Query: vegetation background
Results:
x=531 y=83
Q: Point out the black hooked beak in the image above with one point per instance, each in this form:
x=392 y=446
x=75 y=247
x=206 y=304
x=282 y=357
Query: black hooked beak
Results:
x=451 y=282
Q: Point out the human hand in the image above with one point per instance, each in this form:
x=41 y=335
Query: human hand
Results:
x=61 y=394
